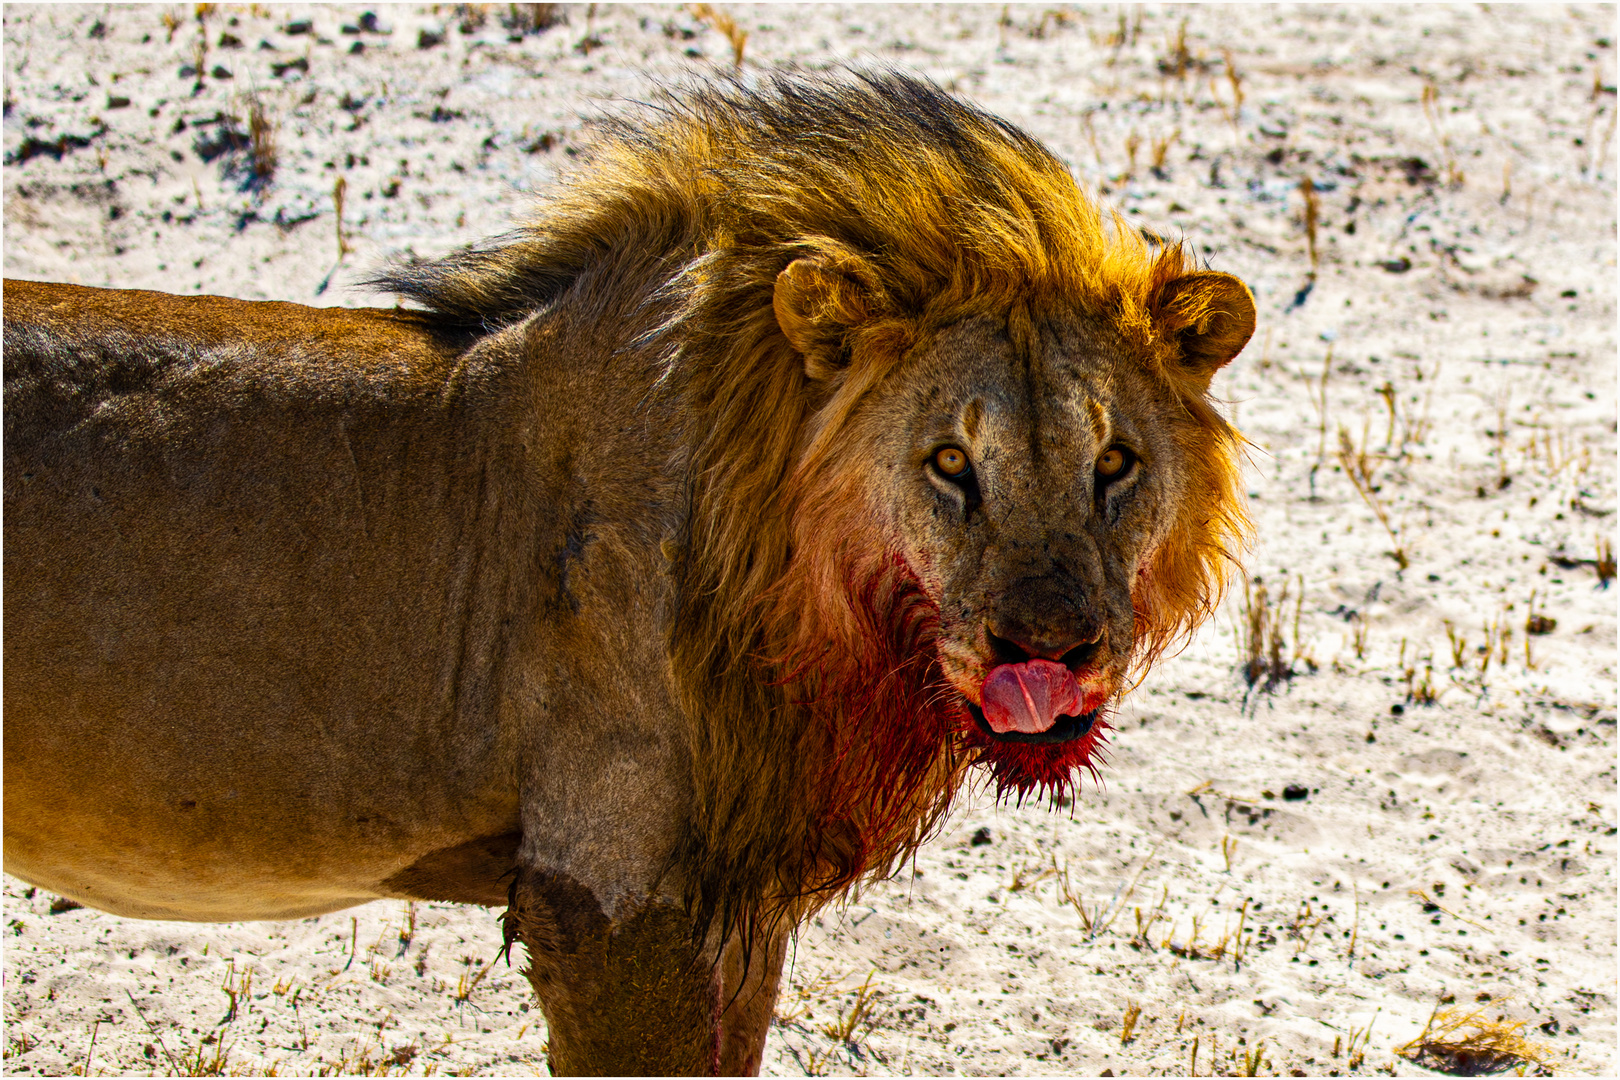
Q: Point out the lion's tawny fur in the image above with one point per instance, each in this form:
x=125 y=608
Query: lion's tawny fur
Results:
x=665 y=576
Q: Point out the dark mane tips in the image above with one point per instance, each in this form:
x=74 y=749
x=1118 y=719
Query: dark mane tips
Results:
x=943 y=197
x=479 y=289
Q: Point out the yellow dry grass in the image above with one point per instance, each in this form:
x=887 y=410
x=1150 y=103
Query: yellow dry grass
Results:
x=1470 y=1044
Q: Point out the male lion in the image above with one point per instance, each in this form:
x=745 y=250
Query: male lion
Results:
x=660 y=580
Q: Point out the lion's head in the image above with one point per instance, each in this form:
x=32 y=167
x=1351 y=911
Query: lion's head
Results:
x=1051 y=500
x=954 y=472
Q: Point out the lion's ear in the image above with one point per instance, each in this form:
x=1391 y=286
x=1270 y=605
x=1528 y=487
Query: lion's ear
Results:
x=818 y=300
x=1210 y=315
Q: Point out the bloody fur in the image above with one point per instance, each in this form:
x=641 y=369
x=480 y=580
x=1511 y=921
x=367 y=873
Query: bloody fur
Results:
x=893 y=719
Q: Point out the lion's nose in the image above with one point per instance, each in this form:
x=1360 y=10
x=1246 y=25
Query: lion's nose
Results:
x=1072 y=654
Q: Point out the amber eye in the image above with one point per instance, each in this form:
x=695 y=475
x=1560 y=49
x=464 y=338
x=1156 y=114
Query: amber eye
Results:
x=951 y=461
x=1113 y=462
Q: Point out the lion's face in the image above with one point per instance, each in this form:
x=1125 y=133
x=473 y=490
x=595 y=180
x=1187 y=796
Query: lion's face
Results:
x=1057 y=487
x=1027 y=495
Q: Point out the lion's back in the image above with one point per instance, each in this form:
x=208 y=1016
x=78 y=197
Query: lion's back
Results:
x=76 y=355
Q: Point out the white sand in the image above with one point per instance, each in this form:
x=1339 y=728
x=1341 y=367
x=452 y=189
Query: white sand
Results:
x=1496 y=801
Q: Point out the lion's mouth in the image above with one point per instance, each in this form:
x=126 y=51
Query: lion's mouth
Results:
x=1064 y=728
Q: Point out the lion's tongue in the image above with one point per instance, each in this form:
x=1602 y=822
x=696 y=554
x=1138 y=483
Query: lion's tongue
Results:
x=1028 y=697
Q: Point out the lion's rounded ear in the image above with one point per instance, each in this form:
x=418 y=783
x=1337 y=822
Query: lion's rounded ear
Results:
x=818 y=300
x=1210 y=315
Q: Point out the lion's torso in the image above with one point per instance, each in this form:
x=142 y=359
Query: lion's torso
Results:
x=301 y=603
x=630 y=561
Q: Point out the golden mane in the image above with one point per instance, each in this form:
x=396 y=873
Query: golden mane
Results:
x=935 y=211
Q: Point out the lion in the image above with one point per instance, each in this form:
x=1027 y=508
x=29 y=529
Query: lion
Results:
x=658 y=576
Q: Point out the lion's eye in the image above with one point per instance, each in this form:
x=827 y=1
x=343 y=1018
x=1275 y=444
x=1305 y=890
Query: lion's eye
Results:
x=1113 y=463
x=951 y=461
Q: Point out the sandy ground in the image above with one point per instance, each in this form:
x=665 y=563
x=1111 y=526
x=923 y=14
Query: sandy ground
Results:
x=1412 y=808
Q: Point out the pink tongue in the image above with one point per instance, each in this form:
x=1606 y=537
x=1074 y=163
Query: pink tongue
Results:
x=1029 y=697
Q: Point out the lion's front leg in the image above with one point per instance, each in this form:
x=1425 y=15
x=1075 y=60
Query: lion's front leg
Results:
x=752 y=974
x=633 y=995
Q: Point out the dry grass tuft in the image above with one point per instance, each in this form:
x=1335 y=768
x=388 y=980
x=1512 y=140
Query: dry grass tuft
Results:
x=1318 y=391
x=472 y=17
x=1133 y=1013
x=1133 y=143
x=1404 y=430
x=1551 y=450
x=238 y=988
x=199 y=56
x=1498 y=636
x=1235 y=80
x=1360 y=466
x=1262 y=635
x=1604 y=563
x=262 y=143
x=521 y=20
x=1431 y=109
x=467 y=982
x=1231 y=943
x=1097 y=920
x=859 y=1015
x=1179 y=59
x=1469 y=1044
x=1357 y=1048
x=1161 y=148
x=1027 y=877
x=723 y=22
x=1145 y=924
x=1252 y=1061
x=1313 y=207
x=1307 y=920
x=1049 y=17
x=1358 y=636
x=1421 y=691
x=797 y=1002
x=340 y=188
x=1459 y=645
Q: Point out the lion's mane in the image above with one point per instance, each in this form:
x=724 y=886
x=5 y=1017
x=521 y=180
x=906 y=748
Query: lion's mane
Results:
x=826 y=742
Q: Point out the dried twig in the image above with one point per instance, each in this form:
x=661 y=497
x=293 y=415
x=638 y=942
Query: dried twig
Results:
x=1312 y=207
